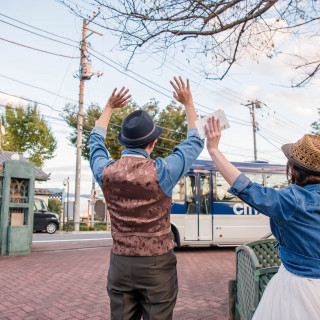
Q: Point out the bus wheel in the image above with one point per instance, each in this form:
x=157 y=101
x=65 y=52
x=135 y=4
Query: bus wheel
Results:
x=174 y=238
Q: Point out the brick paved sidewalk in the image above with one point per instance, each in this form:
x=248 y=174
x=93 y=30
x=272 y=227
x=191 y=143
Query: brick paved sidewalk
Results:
x=70 y=283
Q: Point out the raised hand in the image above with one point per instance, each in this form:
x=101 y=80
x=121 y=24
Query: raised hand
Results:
x=120 y=99
x=182 y=92
x=213 y=133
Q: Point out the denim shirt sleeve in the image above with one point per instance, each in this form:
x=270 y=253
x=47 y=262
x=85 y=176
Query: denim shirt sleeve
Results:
x=171 y=169
x=99 y=157
x=277 y=204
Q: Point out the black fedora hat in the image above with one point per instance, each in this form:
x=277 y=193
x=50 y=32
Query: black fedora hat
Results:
x=138 y=129
x=305 y=153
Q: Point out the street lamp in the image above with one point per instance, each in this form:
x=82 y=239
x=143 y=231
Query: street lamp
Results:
x=252 y=105
x=66 y=183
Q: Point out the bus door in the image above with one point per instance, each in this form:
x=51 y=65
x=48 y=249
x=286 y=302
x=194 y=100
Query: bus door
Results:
x=235 y=221
x=191 y=217
x=198 y=217
x=205 y=218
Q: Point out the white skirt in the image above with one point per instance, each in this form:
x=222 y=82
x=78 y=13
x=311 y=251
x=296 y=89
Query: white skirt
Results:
x=289 y=297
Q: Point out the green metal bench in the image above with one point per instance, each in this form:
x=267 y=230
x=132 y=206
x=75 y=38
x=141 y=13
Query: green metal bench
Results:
x=256 y=263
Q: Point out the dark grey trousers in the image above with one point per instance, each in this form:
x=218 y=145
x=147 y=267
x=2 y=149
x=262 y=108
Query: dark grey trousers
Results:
x=142 y=286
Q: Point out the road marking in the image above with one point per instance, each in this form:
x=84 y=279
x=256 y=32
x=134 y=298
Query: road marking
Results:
x=70 y=240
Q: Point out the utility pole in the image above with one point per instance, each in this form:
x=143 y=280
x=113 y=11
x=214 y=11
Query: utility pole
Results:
x=76 y=218
x=85 y=74
x=252 y=105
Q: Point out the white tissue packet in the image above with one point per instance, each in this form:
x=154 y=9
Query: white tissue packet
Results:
x=219 y=114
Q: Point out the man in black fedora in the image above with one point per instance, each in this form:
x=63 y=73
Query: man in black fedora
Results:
x=142 y=277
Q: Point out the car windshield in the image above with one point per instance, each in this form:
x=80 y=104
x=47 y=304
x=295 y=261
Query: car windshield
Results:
x=40 y=205
x=45 y=207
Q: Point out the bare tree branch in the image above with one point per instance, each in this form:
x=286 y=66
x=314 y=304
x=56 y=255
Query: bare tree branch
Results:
x=222 y=31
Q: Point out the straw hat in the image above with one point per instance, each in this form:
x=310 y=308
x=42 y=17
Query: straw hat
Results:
x=305 y=153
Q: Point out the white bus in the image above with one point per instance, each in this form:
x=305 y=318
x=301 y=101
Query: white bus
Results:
x=204 y=213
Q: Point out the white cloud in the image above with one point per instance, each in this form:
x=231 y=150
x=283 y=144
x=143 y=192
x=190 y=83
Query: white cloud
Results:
x=306 y=112
x=13 y=101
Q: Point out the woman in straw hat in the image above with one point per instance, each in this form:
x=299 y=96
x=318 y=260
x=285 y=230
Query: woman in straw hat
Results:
x=294 y=292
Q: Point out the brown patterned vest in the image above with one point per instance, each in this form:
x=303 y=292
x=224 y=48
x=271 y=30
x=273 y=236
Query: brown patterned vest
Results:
x=139 y=209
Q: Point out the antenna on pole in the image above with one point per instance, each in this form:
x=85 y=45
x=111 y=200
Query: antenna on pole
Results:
x=252 y=105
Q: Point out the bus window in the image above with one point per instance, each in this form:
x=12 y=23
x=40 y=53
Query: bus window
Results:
x=191 y=194
x=223 y=186
x=222 y=189
x=178 y=191
x=204 y=195
x=276 y=181
x=255 y=177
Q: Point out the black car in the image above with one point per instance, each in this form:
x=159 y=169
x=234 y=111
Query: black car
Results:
x=43 y=218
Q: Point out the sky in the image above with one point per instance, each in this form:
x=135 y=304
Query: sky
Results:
x=50 y=80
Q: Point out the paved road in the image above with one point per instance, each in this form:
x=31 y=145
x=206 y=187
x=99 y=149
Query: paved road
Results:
x=62 y=236
x=66 y=280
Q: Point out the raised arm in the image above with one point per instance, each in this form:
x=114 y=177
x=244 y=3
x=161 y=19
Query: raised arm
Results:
x=99 y=157
x=183 y=94
x=173 y=167
x=266 y=200
x=117 y=100
x=227 y=169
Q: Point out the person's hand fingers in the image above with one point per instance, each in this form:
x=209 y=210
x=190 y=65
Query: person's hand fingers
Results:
x=124 y=103
x=188 y=84
x=177 y=82
x=120 y=92
x=124 y=93
x=175 y=95
x=214 y=125
x=174 y=86
x=124 y=99
x=218 y=127
x=211 y=122
x=114 y=91
x=182 y=83
x=206 y=130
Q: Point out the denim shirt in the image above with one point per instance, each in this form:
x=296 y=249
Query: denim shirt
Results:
x=169 y=170
x=294 y=219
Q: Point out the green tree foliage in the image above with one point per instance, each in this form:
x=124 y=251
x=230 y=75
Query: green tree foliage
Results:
x=316 y=126
x=55 y=205
x=172 y=117
x=27 y=133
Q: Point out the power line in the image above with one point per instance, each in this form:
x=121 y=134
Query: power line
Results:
x=46 y=116
x=76 y=113
x=154 y=89
x=162 y=88
x=293 y=124
x=55 y=54
x=273 y=136
x=38 y=34
x=36 y=102
x=268 y=141
x=90 y=128
x=75 y=57
x=230 y=91
x=74 y=100
x=63 y=79
x=53 y=34
x=42 y=89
